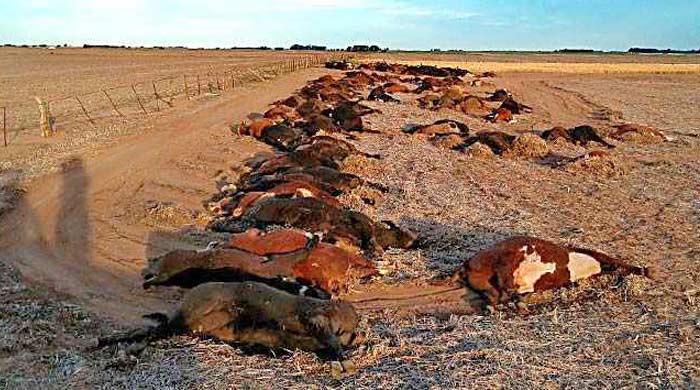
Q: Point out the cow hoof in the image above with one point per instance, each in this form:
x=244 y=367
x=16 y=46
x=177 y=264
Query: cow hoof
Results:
x=522 y=307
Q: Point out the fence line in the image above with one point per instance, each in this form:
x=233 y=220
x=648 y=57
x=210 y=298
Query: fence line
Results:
x=146 y=97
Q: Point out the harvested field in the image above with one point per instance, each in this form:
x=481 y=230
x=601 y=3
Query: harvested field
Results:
x=130 y=201
x=59 y=75
x=553 y=63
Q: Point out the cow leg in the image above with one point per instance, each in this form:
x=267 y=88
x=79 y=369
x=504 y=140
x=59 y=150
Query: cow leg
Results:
x=481 y=283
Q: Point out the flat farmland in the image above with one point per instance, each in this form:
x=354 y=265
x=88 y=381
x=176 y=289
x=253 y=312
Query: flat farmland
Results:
x=97 y=75
x=552 y=62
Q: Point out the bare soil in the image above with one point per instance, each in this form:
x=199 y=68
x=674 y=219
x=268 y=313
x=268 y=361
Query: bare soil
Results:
x=86 y=231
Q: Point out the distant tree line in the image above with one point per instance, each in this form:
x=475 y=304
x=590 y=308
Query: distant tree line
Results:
x=661 y=51
x=366 y=48
x=581 y=51
x=308 y=47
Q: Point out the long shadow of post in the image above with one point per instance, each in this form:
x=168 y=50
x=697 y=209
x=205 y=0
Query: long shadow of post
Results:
x=72 y=229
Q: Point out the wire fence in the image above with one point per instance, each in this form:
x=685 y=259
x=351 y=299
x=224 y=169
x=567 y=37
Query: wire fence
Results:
x=143 y=98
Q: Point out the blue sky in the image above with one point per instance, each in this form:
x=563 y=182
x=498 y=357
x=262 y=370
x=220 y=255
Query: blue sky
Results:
x=406 y=24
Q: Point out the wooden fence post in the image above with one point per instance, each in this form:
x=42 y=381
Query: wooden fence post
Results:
x=85 y=111
x=218 y=86
x=4 y=125
x=155 y=93
x=199 y=86
x=113 y=105
x=138 y=100
x=187 y=90
x=45 y=118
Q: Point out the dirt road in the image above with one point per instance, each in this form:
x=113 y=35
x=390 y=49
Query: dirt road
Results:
x=86 y=230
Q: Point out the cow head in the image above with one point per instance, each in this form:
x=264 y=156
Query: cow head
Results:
x=337 y=322
x=162 y=269
x=389 y=235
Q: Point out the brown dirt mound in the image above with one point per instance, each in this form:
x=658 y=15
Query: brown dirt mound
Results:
x=528 y=146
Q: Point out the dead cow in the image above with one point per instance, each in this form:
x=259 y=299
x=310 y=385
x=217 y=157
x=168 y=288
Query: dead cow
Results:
x=581 y=135
x=327 y=179
x=499 y=95
x=623 y=129
x=256 y=128
x=500 y=115
x=327 y=266
x=293 y=189
x=379 y=93
x=440 y=127
x=498 y=141
x=281 y=137
x=521 y=265
x=514 y=107
x=255 y=314
x=299 y=265
x=345 y=227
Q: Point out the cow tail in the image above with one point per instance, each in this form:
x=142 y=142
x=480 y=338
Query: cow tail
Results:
x=165 y=327
x=610 y=264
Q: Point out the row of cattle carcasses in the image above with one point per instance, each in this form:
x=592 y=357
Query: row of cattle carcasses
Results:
x=293 y=245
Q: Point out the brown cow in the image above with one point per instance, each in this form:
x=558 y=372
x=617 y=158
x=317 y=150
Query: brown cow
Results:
x=282 y=113
x=327 y=179
x=293 y=101
x=276 y=242
x=282 y=137
x=580 y=135
x=342 y=226
x=327 y=154
x=621 y=130
x=396 y=88
x=348 y=115
x=499 y=95
x=500 y=115
x=255 y=128
x=380 y=94
x=255 y=314
x=555 y=133
x=440 y=127
x=288 y=259
x=293 y=189
x=326 y=266
x=473 y=105
x=498 y=141
x=189 y=268
x=521 y=265
x=344 y=149
x=514 y=107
